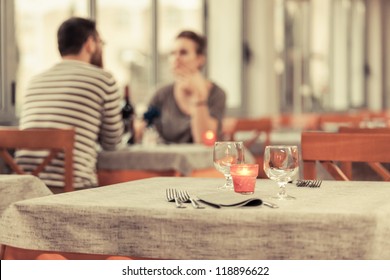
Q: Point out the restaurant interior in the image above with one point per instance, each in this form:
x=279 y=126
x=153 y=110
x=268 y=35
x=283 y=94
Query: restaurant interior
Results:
x=310 y=78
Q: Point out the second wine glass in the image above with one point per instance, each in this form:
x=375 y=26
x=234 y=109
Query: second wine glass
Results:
x=281 y=164
x=225 y=154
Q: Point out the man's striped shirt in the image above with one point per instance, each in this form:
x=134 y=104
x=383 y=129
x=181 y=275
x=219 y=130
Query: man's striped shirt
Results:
x=73 y=94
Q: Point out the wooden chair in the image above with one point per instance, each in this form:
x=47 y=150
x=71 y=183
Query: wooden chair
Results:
x=372 y=115
x=258 y=126
x=335 y=120
x=331 y=148
x=307 y=121
x=54 y=140
x=377 y=167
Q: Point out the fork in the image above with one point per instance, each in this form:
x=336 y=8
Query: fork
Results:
x=169 y=193
x=185 y=197
x=316 y=184
x=309 y=183
x=172 y=195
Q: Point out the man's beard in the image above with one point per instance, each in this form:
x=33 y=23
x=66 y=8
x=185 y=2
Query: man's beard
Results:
x=97 y=59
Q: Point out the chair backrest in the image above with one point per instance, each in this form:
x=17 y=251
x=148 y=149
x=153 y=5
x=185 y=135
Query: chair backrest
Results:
x=54 y=140
x=347 y=129
x=306 y=121
x=329 y=148
x=369 y=114
x=334 y=121
x=377 y=167
x=257 y=125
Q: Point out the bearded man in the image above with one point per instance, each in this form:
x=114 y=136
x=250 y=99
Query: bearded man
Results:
x=76 y=92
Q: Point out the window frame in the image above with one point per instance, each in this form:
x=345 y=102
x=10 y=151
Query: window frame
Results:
x=8 y=57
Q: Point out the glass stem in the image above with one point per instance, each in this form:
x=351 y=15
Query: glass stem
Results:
x=282 y=189
x=229 y=181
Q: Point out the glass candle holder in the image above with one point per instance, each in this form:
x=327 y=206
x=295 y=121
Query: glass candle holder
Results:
x=244 y=177
x=209 y=138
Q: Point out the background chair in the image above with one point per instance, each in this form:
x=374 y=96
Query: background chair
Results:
x=373 y=119
x=332 y=121
x=54 y=140
x=377 y=167
x=258 y=135
x=331 y=148
x=303 y=122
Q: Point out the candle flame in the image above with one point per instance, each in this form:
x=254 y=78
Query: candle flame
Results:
x=209 y=134
x=245 y=171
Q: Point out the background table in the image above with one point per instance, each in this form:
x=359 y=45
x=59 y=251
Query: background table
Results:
x=139 y=162
x=19 y=187
x=340 y=220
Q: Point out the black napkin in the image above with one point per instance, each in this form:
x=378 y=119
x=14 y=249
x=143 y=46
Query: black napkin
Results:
x=229 y=199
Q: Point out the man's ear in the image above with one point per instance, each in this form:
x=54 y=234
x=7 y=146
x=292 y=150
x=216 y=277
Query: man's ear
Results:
x=90 y=45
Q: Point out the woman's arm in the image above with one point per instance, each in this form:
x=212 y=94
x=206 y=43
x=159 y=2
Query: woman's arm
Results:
x=207 y=111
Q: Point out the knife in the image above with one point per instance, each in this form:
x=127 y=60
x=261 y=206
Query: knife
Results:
x=270 y=204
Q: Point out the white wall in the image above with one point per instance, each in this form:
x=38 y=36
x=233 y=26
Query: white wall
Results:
x=263 y=100
x=374 y=54
x=257 y=95
x=224 y=47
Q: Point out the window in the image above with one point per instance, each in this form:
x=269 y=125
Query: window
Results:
x=131 y=52
x=8 y=55
x=173 y=17
x=138 y=43
x=126 y=27
x=36 y=25
x=311 y=51
x=317 y=68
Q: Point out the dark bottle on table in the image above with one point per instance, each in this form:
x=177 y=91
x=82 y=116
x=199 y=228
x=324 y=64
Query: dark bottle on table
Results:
x=128 y=115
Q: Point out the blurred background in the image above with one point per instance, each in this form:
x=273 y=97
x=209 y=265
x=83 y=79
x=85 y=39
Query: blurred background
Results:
x=270 y=56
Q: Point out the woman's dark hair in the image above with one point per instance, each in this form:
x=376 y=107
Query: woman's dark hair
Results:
x=199 y=40
x=73 y=33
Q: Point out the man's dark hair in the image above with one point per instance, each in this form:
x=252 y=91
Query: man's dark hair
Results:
x=73 y=33
x=199 y=40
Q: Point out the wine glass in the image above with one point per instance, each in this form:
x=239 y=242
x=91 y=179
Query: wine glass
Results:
x=225 y=154
x=281 y=164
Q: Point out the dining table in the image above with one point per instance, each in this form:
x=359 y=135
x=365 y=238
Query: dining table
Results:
x=139 y=161
x=19 y=187
x=338 y=220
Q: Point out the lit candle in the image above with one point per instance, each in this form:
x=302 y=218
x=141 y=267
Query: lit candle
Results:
x=244 y=171
x=209 y=138
x=244 y=177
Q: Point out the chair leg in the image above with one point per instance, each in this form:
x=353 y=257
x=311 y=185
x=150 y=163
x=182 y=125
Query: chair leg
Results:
x=309 y=170
x=346 y=167
x=1 y=251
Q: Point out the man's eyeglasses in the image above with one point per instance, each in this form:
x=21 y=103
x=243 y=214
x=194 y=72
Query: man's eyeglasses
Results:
x=102 y=42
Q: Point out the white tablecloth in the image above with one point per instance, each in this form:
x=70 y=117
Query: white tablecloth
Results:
x=183 y=158
x=339 y=220
x=19 y=187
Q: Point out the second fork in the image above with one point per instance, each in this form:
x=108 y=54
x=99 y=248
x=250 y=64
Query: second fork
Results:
x=185 y=197
x=309 y=183
x=172 y=195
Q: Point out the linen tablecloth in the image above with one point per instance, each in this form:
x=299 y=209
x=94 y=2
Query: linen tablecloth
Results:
x=19 y=187
x=339 y=220
x=183 y=158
